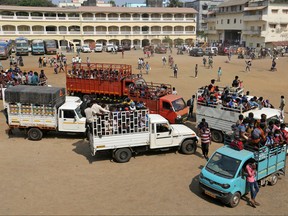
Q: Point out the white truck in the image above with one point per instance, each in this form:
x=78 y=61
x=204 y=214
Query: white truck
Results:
x=126 y=132
x=220 y=118
x=38 y=109
x=85 y=48
x=98 y=47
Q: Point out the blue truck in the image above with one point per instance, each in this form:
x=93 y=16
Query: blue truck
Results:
x=5 y=48
x=38 y=47
x=22 y=46
x=224 y=175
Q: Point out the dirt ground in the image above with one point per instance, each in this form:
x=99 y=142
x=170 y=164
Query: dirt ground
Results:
x=58 y=176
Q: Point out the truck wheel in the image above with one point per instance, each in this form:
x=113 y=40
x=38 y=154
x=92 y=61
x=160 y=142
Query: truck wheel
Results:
x=217 y=136
x=122 y=155
x=274 y=179
x=235 y=199
x=35 y=134
x=189 y=147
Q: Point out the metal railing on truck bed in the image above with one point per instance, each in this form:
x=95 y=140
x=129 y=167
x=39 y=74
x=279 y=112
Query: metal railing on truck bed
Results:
x=123 y=122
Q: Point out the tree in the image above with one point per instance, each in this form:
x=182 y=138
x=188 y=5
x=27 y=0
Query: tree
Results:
x=112 y=3
x=168 y=40
x=175 y=3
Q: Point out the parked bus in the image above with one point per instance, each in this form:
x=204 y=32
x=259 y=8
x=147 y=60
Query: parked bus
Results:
x=22 y=46
x=5 y=48
x=38 y=47
x=50 y=47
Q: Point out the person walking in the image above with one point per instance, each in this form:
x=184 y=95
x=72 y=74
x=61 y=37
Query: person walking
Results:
x=210 y=62
x=219 y=74
x=190 y=103
x=204 y=60
x=248 y=65
x=122 y=53
x=252 y=183
x=40 y=62
x=175 y=70
x=163 y=61
x=196 y=71
x=205 y=135
x=282 y=105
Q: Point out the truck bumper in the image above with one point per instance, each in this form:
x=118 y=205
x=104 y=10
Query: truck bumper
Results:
x=223 y=197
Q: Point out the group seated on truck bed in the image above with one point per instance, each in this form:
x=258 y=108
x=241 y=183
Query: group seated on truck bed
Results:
x=256 y=134
x=229 y=98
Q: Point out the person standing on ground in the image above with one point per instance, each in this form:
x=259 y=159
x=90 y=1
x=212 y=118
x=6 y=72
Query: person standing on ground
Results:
x=40 y=62
x=205 y=135
x=147 y=67
x=252 y=183
x=175 y=70
x=122 y=53
x=248 y=65
x=196 y=71
x=219 y=74
x=174 y=92
x=191 y=106
x=210 y=62
x=164 y=61
x=282 y=105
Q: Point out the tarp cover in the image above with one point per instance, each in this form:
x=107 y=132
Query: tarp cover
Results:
x=39 y=95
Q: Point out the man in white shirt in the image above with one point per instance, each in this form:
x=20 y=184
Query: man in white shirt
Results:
x=174 y=92
x=98 y=110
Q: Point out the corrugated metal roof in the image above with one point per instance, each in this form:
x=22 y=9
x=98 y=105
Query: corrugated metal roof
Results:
x=232 y=3
x=254 y=8
x=100 y=9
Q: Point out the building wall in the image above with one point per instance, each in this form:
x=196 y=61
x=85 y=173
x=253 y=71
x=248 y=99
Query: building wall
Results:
x=132 y=27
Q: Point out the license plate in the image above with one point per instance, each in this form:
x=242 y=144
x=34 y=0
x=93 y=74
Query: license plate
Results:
x=210 y=194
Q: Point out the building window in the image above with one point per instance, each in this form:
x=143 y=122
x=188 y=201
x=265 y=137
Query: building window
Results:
x=227 y=9
x=273 y=26
x=285 y=11
x=221 y=21
x=240 y=7
x=258 y=45
x=234 y=21
x=240 y=21
x=252 y=28
x=284 y=26
x=228 y=21
x=274 y=11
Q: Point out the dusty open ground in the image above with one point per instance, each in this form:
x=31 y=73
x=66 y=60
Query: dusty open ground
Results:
x=57 y=175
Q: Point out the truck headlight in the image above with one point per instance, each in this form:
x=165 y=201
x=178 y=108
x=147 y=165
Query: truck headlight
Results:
x=225 y=186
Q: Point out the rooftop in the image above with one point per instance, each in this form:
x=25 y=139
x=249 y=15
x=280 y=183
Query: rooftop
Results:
x=99 y=9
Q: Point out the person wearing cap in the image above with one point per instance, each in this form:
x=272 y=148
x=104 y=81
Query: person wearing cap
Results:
x=132 y=106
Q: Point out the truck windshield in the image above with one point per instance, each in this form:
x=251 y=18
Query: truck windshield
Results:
x=21 y=44
x=179 y=104
x=50 y=45
x=223 y=165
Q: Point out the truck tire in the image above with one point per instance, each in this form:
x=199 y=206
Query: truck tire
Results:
x=189 y=147
x=235 y=199
x=35 y=134
x=274 y=179
x=217 y=136
x=122 y=155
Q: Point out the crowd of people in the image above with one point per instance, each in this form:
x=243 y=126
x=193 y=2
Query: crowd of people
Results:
x=259 y=133
x=231 y=97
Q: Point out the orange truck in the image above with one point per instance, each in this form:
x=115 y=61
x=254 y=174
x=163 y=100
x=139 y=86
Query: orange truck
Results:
x=114 y=83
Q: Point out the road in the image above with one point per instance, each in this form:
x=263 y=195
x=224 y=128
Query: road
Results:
x=58 y=176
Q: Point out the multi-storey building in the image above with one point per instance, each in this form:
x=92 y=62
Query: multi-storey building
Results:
x=135 y=26
x=252 y=23
x=203 y=7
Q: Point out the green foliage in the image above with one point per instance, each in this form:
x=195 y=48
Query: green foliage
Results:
x=168 y=40
x=112 y=3
x=201 y=34
x=178 y=41
x=175 y=3
x=33 y=3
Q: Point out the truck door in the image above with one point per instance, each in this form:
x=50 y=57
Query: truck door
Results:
x=166 y=110
x=163 y=137
x=68 y=121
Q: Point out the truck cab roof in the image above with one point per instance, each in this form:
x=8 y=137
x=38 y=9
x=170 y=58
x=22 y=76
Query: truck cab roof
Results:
x=155 y=118
x=240 y=155
x=269 y=112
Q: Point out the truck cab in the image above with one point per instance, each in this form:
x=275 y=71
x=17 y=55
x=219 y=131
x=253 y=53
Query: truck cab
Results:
x=69 y=116
x=224 y=175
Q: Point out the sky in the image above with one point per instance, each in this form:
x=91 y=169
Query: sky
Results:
x=118 y=2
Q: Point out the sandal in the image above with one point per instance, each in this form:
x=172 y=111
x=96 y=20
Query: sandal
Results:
x=257 y=204
x=252 y=204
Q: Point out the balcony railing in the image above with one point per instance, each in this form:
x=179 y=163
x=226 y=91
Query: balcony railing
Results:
x=252 y=32
x=97 y=32
x=118 y=19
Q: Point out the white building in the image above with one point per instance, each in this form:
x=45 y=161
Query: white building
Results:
x=252 y=23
